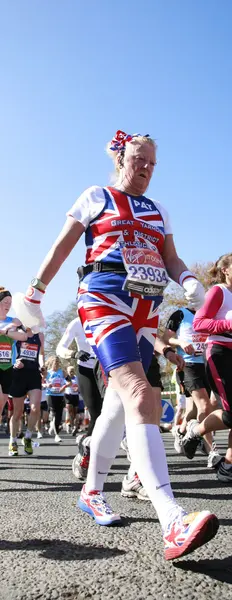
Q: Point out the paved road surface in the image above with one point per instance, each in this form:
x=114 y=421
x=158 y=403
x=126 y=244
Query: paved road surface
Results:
x=50 y=551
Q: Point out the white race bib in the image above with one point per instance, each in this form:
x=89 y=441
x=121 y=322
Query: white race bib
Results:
x=74 y=387
x=199 y=342
x=28 y=351
x=5 y=352
x=146 y=273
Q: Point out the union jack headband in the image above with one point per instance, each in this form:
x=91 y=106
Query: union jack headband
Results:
x=119 y=140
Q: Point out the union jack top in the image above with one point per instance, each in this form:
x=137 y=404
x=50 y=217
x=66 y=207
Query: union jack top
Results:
x=113 y=220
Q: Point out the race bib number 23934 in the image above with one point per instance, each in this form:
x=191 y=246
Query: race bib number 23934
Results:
x=146 y=273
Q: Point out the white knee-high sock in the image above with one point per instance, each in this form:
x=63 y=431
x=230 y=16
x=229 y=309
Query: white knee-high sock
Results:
x=131 y=471
x=149 y=459
x=105 y=440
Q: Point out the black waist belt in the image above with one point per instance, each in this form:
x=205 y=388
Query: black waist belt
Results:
x=100 y=267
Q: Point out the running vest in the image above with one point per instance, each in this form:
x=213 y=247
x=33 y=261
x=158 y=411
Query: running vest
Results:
x=186 y=333
x=6 y=346
x=28 y=352
x=225 y=312
x=73 y=388
x=56 y=378
x=126 y=230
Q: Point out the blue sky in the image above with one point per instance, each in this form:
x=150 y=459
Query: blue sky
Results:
x=73 y=73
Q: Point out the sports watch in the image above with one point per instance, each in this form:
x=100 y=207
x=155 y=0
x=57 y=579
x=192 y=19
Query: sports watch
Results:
x=38 y=284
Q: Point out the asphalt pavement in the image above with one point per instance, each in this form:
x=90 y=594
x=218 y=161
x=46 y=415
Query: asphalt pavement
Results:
x=49 y=550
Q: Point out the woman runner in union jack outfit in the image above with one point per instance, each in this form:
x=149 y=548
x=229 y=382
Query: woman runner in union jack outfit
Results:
x=129 y=258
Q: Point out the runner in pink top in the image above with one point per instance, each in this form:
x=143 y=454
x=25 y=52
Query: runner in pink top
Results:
x=215 y=319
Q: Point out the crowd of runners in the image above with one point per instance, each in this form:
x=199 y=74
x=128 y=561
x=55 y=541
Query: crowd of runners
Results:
x=130 y=259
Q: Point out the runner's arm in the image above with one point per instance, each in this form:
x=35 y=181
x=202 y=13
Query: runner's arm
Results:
x=204 y=320
x=41 y=353
x=68 y=384
x=14 y=334
x=172 y=327
x=160 y=346
x=64 y=244
x=62 y=349
x=64 y=387
x=169 y=338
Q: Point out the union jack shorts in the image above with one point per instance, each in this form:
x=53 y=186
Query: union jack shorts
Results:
x=119 y=328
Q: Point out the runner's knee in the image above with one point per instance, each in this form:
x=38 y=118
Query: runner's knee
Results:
x=227 y=418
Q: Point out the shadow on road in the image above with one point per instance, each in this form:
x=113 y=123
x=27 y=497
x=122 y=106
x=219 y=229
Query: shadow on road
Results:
x=129 y=520
x=216 y=568
x=225 y=522
x=114 y=486
x=197 y=471
x=29 y=467
x=61 y=549
x=56 y=457
x=203 y=496
x=201 y=484
x=120 y=467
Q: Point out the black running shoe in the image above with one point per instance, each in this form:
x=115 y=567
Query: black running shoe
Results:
x=224 y=473
x=190 y=441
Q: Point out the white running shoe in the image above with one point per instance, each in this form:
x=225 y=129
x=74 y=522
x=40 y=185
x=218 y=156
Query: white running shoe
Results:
x=178 y=441
x=96 y=506
x=58 y=439
x=214 y=457
x=80 y=463
x=187 y=532
x=39 y=435
x=133 y=488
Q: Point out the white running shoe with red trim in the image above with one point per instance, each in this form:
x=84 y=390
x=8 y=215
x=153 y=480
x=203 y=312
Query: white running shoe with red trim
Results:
x=94 y=503
x=187 y=532
x=133 y=488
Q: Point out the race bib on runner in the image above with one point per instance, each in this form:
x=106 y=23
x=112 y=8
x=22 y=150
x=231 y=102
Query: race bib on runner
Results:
x=56 y=386
x=199 y=342
x=146 y=273
x=74 y=387
x=28 y=351
x=5 y=352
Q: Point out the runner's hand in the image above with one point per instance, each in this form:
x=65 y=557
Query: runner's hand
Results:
x=186 y=347
x=83 y=356
x=27 y=308
x=194 y=293
x=18 y=364
x=177 y=360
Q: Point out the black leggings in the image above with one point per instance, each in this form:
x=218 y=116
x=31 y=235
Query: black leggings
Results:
x=90 y=394
x=56 y=403
x=219 y=373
